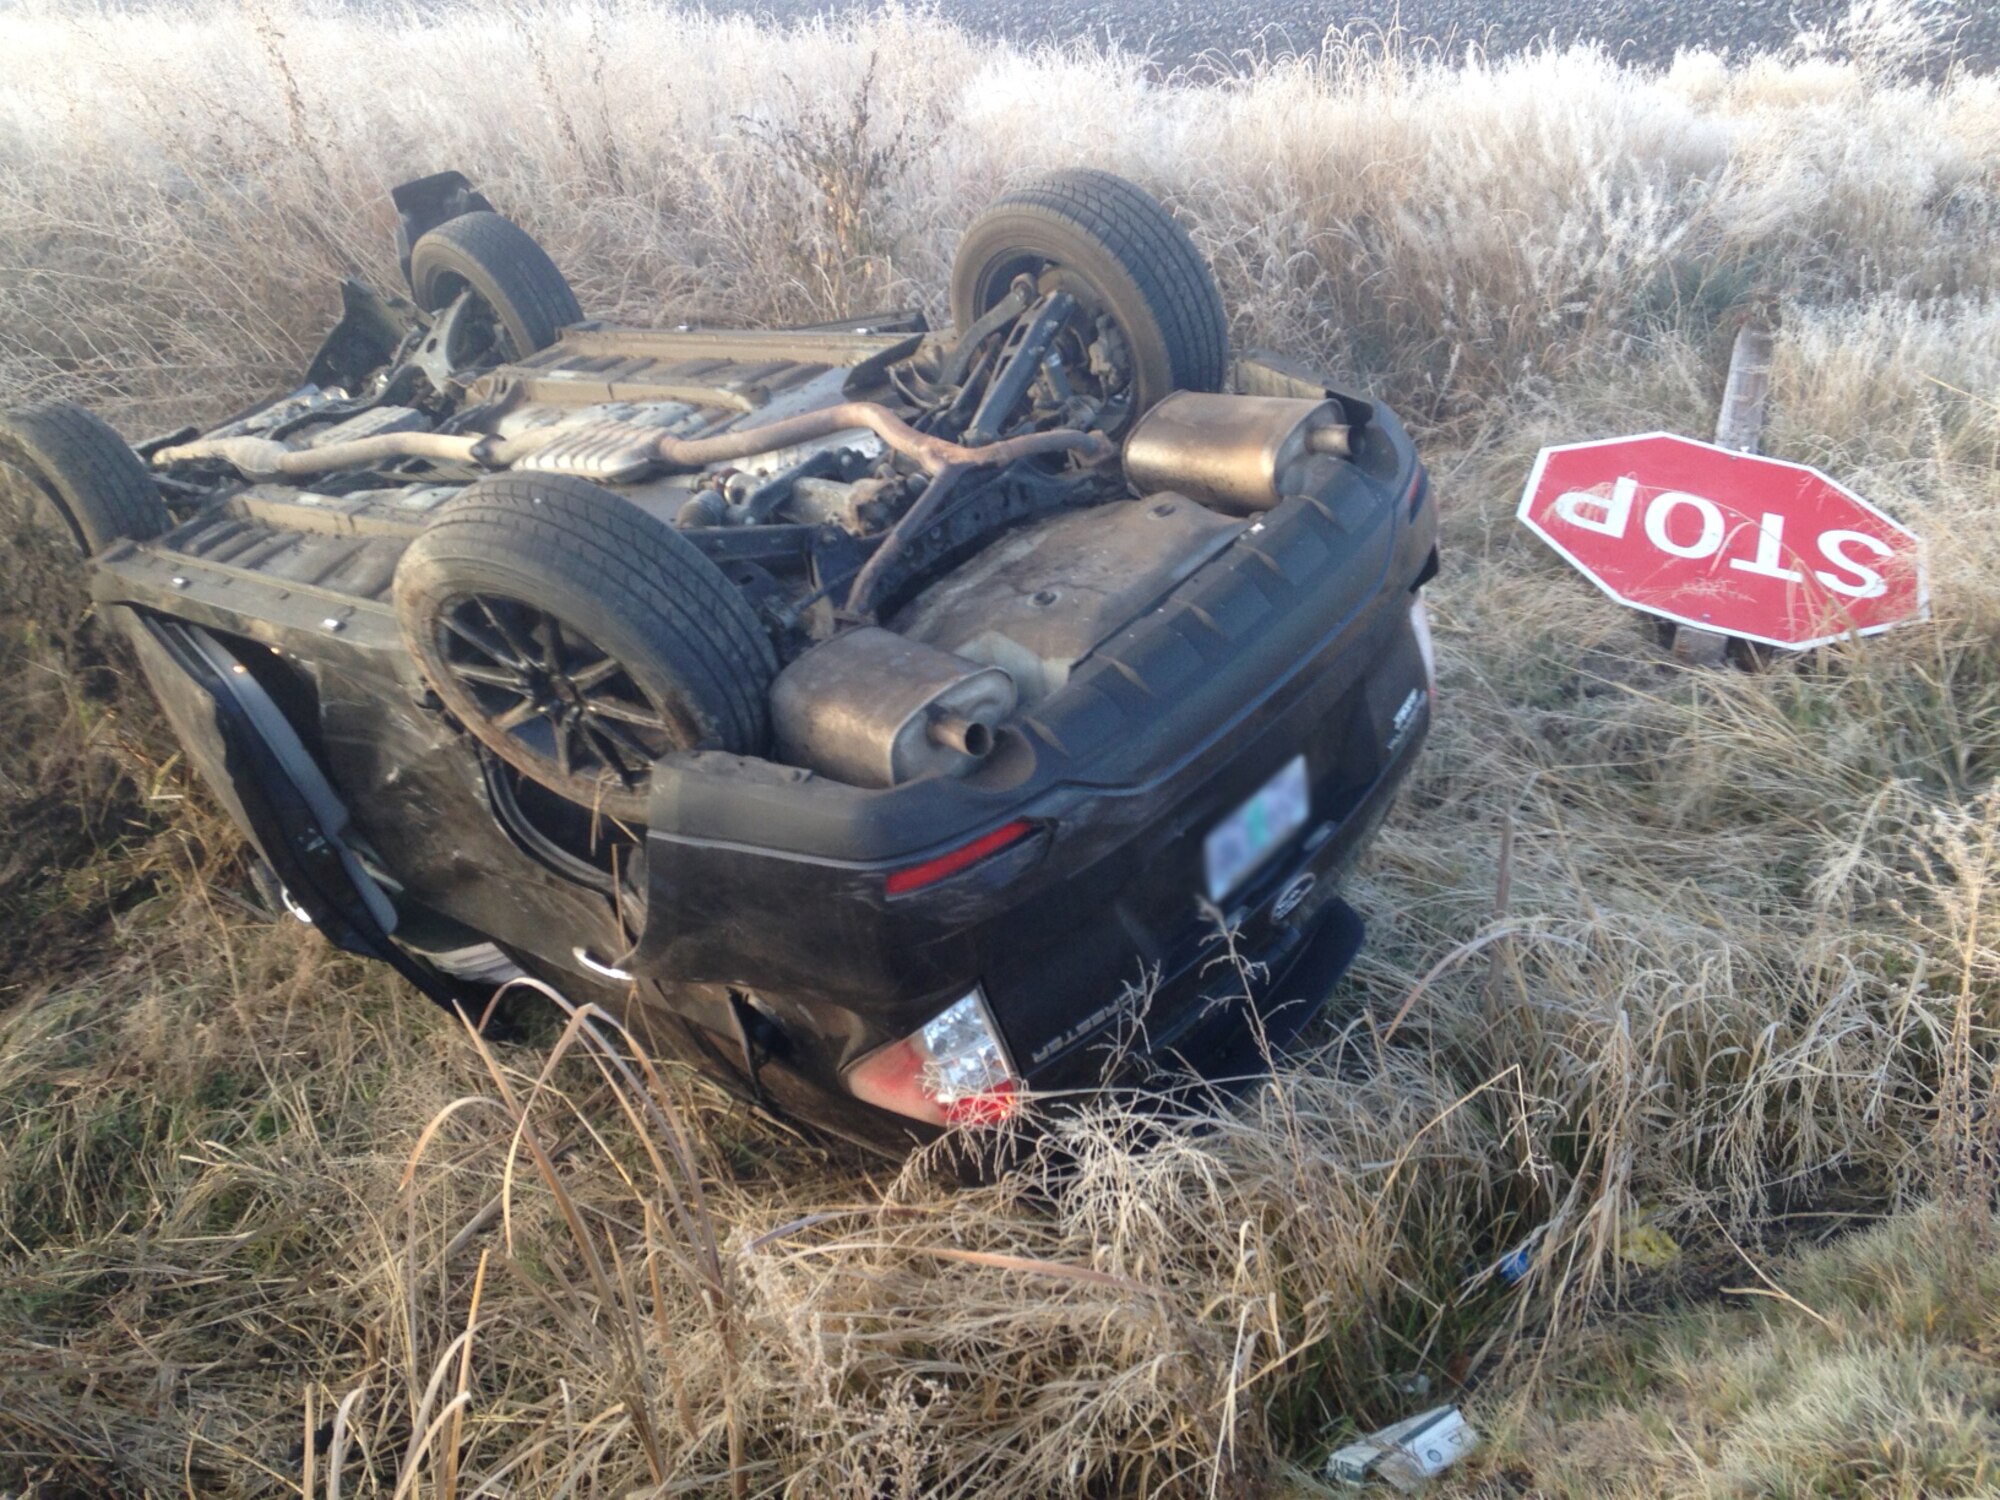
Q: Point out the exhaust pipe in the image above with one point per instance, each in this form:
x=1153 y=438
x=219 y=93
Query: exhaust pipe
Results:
x=872 y=708
x=265 y=458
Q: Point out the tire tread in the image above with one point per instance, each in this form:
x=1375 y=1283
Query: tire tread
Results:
x=575 y=541
x=1156 y=251
x=504 y=264
x=105 y=488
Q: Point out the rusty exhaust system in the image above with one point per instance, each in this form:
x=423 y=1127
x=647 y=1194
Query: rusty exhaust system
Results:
x=266 y=458
x=933 y=454
x=1233 y=453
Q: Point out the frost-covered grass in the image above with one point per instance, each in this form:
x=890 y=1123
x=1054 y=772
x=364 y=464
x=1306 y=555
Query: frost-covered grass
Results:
x=1703 y=944
x=189 y=183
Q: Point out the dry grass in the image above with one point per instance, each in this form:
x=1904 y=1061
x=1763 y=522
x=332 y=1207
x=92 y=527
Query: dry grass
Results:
x=1873 y=1374
x=1737 y=953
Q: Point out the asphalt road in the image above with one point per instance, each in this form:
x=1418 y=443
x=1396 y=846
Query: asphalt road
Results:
x=1642 y=32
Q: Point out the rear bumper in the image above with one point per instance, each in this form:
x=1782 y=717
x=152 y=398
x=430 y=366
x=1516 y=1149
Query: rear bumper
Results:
x=1243 y=984
x=1237 y=1039
x=1296 y=639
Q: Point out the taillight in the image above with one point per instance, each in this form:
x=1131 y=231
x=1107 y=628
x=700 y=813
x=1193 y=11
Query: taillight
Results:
x=931 y=871
x=950 y=1071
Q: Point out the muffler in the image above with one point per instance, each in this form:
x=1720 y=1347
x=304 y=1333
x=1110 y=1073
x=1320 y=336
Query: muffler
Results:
x=872 y=708
x=1238 y=454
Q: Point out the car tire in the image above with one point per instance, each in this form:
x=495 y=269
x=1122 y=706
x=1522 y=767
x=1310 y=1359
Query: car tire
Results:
x=84 y=477
x=521 y=590
x=501 y=264
x=1128 y=250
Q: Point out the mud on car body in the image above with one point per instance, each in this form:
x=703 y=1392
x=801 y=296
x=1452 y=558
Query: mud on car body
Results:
x=888 y=720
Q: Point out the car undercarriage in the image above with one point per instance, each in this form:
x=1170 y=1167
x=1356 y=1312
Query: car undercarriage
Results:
x=891 y=721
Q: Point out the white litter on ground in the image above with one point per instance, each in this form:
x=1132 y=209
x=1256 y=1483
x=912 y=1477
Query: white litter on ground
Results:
x=1409 y=1453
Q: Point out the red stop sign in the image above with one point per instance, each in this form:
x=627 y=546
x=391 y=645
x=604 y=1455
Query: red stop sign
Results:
x=1726 y=541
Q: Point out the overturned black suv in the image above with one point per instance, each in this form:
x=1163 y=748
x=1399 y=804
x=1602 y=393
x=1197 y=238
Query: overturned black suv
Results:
x=892 y=722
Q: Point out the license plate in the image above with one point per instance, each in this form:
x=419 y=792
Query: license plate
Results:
x=1253 y=833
